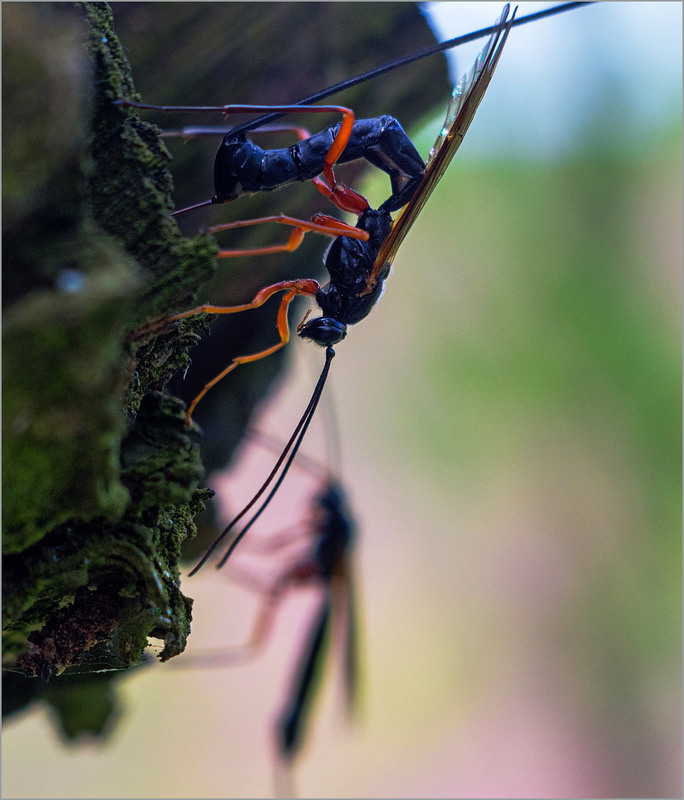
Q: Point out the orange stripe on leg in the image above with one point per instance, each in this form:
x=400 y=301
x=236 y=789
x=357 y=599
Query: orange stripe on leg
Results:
x=292 y=289
x=319 y=223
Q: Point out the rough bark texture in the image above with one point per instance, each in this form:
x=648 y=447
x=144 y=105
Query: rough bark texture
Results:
x=101 y=478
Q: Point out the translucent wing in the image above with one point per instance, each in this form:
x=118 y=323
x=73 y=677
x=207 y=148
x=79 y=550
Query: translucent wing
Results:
x=463 y=104
x=346 y=635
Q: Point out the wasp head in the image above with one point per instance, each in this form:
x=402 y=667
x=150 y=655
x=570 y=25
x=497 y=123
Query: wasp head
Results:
x=325 y=331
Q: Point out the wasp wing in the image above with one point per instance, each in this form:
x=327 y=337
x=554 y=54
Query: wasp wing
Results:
x=463 y=104
x=290 y=727
x=346 y=635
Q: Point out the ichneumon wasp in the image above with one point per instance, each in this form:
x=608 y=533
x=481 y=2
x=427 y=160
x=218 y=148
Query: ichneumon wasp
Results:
x=360 y=257
x=315 y=552
x=328 y=564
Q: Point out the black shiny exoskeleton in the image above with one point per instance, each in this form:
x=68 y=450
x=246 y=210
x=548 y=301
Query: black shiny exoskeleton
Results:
x=344 y=300
x=241 y=167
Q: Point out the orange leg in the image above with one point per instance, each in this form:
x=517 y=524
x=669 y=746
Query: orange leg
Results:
x=320 y=223
x=259 y=634
x=261 y=628
x=291 y=289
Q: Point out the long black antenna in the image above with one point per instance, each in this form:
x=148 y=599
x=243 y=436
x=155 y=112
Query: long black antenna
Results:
x=291 y=447
x=408 y=59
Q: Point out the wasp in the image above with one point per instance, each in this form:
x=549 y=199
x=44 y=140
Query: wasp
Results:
x=360 y=257
x=316 y=552
x=358 y=263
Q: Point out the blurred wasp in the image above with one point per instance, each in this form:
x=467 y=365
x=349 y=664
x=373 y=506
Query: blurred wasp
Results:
x=316 y=552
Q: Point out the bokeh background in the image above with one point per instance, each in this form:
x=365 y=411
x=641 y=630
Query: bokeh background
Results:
x=509 y=419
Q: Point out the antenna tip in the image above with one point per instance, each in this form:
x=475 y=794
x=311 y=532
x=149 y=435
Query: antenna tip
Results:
x=192 y=208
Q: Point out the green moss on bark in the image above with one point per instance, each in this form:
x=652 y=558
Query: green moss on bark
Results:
x=101 y=477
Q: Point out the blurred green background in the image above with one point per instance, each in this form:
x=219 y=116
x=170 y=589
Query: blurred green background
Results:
x=511 y=434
